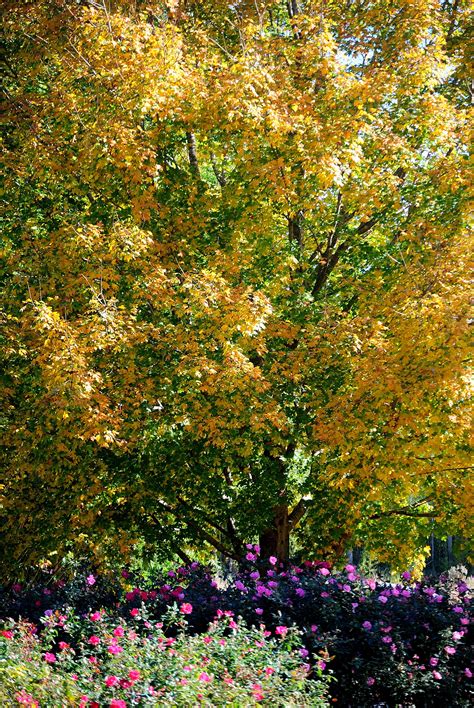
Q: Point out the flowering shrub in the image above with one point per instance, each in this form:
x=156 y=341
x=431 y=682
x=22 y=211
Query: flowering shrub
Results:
x=120 y=664
x=398 y=644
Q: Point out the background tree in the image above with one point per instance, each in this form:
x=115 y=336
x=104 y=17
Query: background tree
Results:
x=234 y=291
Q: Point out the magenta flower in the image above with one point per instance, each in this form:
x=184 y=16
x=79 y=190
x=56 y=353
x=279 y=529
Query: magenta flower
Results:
x=115 y=649
x=186 y=608
x=437 y=675
x=468 y=673
x=367 y=625
x=203 y=676
x=281 y=630
x=134 y=611
x=49 y=657
x=111 y=681
x=117 y=703
x=94 y=640
x=90 y=580
x=273 y=560
x=119 y=631
x=134 y=675
x=433 y=661
x=370 y=681
x=96 y=616
x=251 y=557
x=258 y=611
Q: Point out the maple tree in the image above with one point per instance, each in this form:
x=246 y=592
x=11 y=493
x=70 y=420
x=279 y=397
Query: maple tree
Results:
x=234 y=276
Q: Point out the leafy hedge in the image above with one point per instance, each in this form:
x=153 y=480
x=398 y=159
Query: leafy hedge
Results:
x=399 y=644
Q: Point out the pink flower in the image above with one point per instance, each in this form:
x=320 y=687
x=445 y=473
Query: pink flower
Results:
x=370 y=681
x=273 y=560
x=450 y=650
x=114 y=649
x=437 y=675
x=186 y=608
x=117 y=703
x=258 y=611
x=119 y=631
x=251 y=557
x=7 y=633
x=204 y=677
x=96 y=616
x=350 y=568
x=324 y=571
x=134 y=612
x=134 y=675
x=382 y=599
x=207 y=640
x=406 y=575
x=468 y=673
x=321 y=665
x=63 y=645
x=111 y=681
x=269 y=670
x=94 y=640
x=433 y=661
x=49 y=657
x=281 y=630
x=90 y=580
x=457 y=636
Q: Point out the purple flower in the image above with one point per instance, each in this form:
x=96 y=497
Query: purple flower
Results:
x=239 y=585
x=90 y=580
x=48 y=613
x=367 y=625
x=370 y=681
x=255 y=575
x=258 y=611
x=382 y=599
x=406 y=575
x=300 y=592
x=251 y=557
x=303 y=653
x=468 y=673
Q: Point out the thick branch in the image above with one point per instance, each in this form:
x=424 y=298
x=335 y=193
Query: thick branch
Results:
x=192 y=154
x=298 y=512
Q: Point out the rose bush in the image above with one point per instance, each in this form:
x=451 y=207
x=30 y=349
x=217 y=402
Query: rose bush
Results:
x=405 y=643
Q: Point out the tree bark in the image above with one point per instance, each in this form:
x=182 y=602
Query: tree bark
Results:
x=275 y=540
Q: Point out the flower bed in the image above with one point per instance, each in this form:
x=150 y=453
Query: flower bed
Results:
x=277 y=628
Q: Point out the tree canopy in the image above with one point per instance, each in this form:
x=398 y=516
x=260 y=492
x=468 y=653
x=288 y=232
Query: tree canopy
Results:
x=234 y=290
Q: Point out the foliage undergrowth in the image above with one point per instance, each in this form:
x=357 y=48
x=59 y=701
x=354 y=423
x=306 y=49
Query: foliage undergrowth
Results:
x=270 y=634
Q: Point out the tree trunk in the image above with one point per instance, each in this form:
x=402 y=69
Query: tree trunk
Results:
x=275 y=540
